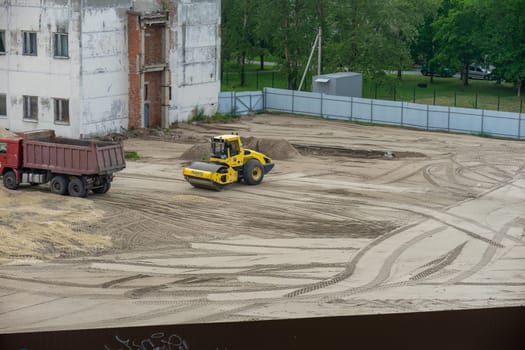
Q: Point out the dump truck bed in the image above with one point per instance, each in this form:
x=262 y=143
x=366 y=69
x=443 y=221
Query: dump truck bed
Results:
x=70 y=156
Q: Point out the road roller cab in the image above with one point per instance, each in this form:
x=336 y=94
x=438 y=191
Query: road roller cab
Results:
x=229 y=163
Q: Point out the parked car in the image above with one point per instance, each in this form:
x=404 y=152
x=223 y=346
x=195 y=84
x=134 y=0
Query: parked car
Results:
x=441 y=71
x=478 y=72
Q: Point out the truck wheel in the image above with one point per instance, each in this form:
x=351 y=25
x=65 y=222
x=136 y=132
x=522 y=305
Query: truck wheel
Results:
x=77 y=187
x=58 y=185
x=103 y=189
x=253 y=172
x=10 y=180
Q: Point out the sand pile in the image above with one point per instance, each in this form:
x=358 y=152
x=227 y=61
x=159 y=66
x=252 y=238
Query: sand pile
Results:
x=199 y=151
x=6 y=133
x=278 y=149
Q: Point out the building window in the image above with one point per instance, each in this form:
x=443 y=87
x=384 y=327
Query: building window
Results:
x=61 y=110
x=3 y=147
x=31 y=107
x=2 y=41
x=61 y=45
x=30 y=43
x=3 y=104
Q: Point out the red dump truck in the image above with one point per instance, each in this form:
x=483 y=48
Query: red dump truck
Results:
x=72 y=167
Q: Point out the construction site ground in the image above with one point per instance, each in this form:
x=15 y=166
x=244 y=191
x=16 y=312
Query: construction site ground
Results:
x=355 y=219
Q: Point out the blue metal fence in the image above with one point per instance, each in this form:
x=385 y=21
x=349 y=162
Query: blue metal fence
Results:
x=407 y=114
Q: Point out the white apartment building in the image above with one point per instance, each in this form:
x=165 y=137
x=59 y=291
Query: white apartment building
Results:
x=91 y=67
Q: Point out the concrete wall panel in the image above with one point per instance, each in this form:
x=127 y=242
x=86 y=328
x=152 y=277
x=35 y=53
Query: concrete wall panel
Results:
x=201 y=12
x=199 y=36
x=39 y=84
x=104 y=19
x=103 y=64
x=105 y=85
x=200 y=73
x=3 y=15
x=195 y=57
x=206 y=54
x=188 y=97
x=96 y=4
x=98 y=119
x=99 y=44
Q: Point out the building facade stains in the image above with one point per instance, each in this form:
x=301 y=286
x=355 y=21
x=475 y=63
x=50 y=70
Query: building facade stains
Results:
x=89 y=67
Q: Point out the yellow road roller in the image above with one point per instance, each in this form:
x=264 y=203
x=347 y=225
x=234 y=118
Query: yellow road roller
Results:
x=229 y=163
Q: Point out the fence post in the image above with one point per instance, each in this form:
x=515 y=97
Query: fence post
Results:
x=521 y=105
x=322 y=105
x=293 y=100
x=372 y=111
x=251 y=107
x=482 y=120
x=434 y=97
x=402 y=112
x=394 y=93
x=519 y=126
x=376 y=93
x=231 y=103
x=498 y=102
x=234 y=103
x=428 y=115
x=448 y=121
x=414 y=96
x=264 y=99
x=273 y=79
x=455 y=93
x=351 y=108
x=257 y=79
x=476 y=105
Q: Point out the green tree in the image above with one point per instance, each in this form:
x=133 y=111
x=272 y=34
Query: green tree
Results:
x=505 y=36
x=373 y=35
x=459 y=35
x=424 y=48
x=292 y=25
x=238 y=32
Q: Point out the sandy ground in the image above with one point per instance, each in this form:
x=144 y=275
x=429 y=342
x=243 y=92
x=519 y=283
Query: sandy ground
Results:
x=338 y=229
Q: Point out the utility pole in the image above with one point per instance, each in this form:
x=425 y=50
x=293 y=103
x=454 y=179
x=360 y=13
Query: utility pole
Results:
x=317 y=43
x=319 y=51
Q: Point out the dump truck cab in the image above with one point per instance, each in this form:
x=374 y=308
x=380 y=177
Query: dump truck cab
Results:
x=10 y=155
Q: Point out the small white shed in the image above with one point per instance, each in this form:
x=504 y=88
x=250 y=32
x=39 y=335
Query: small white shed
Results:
x=339 y=84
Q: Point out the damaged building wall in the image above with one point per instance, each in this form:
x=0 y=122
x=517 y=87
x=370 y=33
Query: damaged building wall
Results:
x=91 y=73
x=148 y=69
x=35 y=71
x=195 y=58
x=104 y=87
x=110 y=77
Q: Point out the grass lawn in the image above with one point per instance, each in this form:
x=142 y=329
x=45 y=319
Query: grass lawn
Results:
x=481 y=94
x=443 y=91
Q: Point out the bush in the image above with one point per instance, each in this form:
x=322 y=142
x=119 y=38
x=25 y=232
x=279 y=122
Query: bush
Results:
x=131 y=155
x=198 y=115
